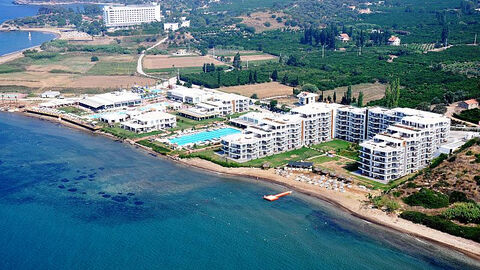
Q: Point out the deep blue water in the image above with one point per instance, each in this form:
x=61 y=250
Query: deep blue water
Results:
x=18 y=40
x=71 y=200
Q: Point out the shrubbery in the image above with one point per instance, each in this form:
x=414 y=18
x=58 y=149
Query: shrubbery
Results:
x=441 y=224
x=427 y=198
x=463 y=212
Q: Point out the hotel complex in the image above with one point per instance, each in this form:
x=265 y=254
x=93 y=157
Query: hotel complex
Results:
x=394 y=142
x=208 y=103
x=121 y=16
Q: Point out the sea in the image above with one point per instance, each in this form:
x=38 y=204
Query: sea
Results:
x=73 y=200
x=19 y=40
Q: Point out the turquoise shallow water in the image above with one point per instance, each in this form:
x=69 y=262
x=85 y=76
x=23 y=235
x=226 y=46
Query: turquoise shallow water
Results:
x=70 y=200
x=204 y=136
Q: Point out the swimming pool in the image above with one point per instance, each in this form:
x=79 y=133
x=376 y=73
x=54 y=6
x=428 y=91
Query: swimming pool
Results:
x=203 y=136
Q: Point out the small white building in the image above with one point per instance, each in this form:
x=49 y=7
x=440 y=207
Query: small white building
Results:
x=305 y=98
x=170 y=26
x=50 y=94
x=468 y=104
x=344 y=37
x=394 y=41
x=184 y=22
x=150 y=121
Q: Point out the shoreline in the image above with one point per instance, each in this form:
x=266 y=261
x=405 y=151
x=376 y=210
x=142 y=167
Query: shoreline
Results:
x=34 y=3
x=350 y=202
x=19 y=53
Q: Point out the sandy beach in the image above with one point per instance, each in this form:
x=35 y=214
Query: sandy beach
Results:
x=352 y=201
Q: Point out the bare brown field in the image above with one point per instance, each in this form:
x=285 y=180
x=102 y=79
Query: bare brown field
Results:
x=106 y=40
x=109 y=81
x=371 y=91
x=263 y=90
x=45 y=80
x=258 y=20
x=165 y=61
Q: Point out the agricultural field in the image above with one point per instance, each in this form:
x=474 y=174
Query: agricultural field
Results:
x=263 y=90
x=165 y=61
x=71 y=72
x=371 y=91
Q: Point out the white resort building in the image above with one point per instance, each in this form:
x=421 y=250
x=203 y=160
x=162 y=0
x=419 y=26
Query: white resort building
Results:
x=404 y=147
x=110 y=100
x=122 y=16
x=394 y=142
x=150 y=121
x=350 y=124
x=208 y=103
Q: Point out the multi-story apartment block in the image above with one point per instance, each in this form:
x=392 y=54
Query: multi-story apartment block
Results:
x=394 y=142
x=403 y=147
x=351 y=123
x=318 y=121
x=120 y=16
x=272 y=135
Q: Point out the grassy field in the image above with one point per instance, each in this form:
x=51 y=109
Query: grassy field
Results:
x=185 y=123
x=125 y=134
x=342 y=148
x=113 y=68
x=274 y=160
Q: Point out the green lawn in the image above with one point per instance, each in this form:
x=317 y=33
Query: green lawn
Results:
x=283 y=158
x=342 y=148
x=125 y=134
x=113 y=68
x=185 y=123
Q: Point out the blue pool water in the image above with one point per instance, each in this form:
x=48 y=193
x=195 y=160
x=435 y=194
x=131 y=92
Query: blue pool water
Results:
x=72 y=200
x=203 y=136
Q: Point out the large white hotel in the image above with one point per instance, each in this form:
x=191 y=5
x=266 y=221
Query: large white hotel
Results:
x=121 y=16
x=394 y=142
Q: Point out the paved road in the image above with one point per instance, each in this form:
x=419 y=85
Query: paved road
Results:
x=140 y=59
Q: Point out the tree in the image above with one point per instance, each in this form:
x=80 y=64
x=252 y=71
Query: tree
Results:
x=348 y=95
x=255 y=77
x=424 y=106
x=308 y=87
x=250 y=77
x=285 y=79
x=94 y=58
x=273 y=104
x=254 y=96
x=321 y=97
x=237 y=62
x=392 y=94
x=274 y=75
x=360 y=99
x=445 y=35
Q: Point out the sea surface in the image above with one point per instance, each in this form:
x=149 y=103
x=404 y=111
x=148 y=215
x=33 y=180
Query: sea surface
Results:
x=72 y=200
x=18 y=40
